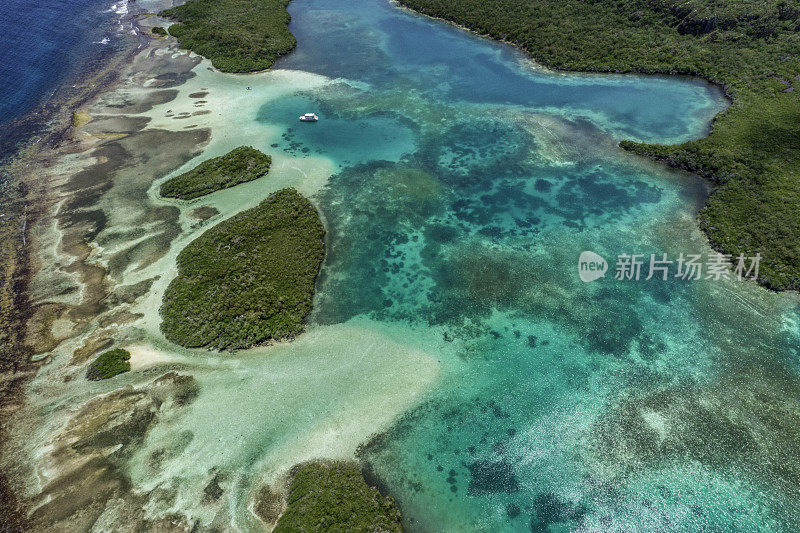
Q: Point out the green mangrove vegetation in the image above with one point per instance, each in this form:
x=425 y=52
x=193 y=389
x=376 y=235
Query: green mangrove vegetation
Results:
x=249 y=279
x=749 y=47
x=236 y=35
x=335 y=497
x=109 y=364
x=237 y=166
x=158 y=30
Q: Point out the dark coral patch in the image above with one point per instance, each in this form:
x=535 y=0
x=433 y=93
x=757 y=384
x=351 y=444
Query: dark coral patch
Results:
x=491 y=477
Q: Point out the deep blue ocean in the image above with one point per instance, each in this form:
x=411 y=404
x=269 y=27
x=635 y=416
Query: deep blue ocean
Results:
x=48 y=42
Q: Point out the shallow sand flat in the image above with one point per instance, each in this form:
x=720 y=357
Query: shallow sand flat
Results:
x=261 y=411
x=257 y=413
x=143 y=356
x=231 y=116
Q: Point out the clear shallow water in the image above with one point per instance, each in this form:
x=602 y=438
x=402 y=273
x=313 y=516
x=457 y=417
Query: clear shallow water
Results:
x=469 y=184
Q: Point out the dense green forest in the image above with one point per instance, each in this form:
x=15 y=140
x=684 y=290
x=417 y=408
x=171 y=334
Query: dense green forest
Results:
x=334 y=497
x=236 y=35
x=751 y=47
x=249 y=279
x=237 y=166
x=109 y=364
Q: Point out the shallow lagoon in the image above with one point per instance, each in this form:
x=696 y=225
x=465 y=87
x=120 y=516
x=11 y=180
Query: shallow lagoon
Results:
x=632 y=405
x=459 y=184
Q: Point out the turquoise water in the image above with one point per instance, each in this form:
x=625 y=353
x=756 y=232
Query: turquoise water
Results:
x=468 y=183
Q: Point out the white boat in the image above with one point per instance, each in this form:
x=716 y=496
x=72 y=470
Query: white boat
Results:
x=309 y=117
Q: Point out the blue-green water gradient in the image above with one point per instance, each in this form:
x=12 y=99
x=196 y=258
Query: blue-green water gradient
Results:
x=468 y=183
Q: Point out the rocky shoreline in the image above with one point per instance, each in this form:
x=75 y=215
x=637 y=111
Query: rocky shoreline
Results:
x=32 y=145
x=27 y=144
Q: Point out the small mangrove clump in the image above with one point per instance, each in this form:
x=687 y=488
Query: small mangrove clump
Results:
x=158 y=30
x=249 y=279
x=240 y=165
x=109 y=364
x=335 y=497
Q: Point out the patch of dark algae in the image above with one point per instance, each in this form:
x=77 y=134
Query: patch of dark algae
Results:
x=91 y=452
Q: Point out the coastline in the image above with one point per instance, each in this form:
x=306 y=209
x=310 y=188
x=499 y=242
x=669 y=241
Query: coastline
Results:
x=34 y=162
x=88 y=293
x=47 y=124
x=543 y=67
x=27 y=143
x=721 y=229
